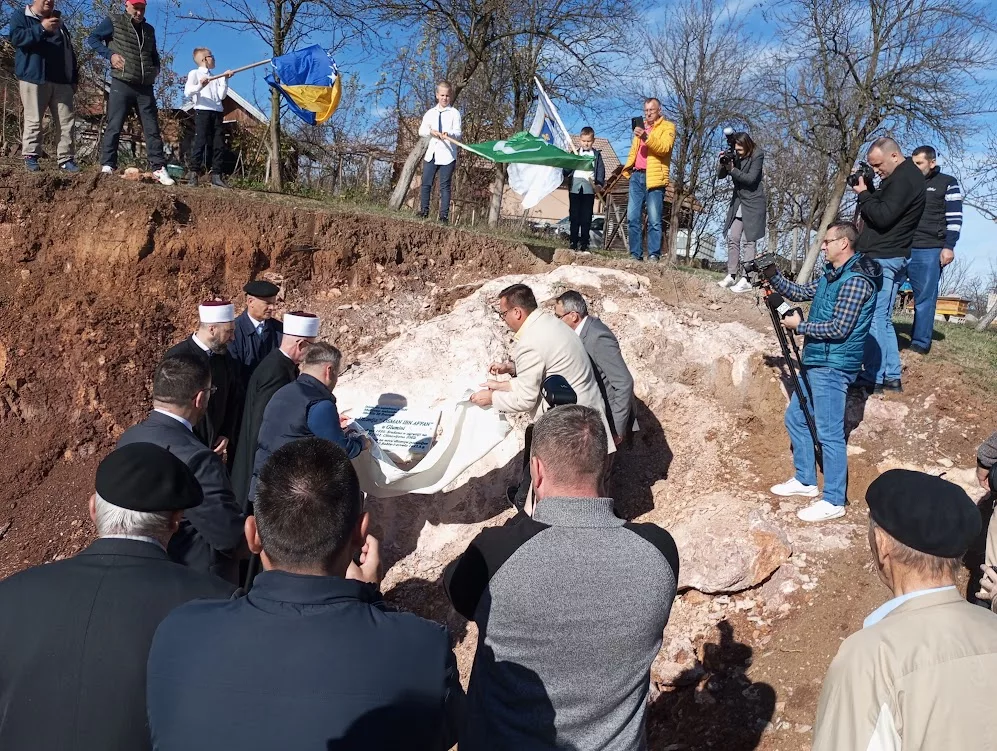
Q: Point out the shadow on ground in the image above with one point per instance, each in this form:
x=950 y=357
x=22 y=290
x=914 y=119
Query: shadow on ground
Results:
x=723 y=710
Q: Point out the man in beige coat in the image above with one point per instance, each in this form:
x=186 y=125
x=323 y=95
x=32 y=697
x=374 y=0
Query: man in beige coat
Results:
x=544 y=346
x=922 y=673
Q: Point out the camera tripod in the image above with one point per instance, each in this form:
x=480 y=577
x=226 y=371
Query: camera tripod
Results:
x=778 y=308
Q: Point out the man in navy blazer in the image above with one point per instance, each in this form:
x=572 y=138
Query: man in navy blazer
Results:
x=75 y=634
x=257 y=332
x=210 y=537
x=312 y=657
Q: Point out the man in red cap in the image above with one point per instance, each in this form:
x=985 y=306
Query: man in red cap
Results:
x=128 y=42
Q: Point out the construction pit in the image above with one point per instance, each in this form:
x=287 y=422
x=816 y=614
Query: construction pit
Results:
x=99 y=276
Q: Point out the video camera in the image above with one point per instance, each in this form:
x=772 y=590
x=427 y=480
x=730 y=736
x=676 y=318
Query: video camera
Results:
x=759 y=270
x=727 y=155
x=866 y=173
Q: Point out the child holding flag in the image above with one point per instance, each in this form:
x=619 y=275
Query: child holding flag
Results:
x=206 y=93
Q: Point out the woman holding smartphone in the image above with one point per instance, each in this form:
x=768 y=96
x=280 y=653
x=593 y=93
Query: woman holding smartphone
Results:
x=746 y=214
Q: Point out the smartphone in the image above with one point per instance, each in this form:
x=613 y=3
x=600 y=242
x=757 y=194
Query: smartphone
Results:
x=55 y=14
x=636 y=122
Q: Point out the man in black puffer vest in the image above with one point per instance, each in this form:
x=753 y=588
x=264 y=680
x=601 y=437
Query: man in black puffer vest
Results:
x=129 y=43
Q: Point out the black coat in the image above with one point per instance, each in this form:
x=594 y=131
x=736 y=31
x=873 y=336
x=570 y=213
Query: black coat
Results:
x=248 y=347
x=275 y=371
x=891 y=214
x=302 y=662
x=74 y=639
x=209 y=534
x=225 y=406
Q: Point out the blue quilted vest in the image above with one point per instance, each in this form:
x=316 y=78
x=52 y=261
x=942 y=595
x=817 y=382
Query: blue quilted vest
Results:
x=841 y=354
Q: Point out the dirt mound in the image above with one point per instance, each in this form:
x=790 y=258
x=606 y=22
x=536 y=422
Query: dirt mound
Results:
x=99 y=276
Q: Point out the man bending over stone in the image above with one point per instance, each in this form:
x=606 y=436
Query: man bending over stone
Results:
x=544 y=347
x=593 y=592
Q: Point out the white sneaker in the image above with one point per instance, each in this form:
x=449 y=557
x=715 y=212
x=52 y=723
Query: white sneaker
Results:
x=163 y=176
x=795 y=487
x=107 y=169
x=820 y=511
x=743 y=285
x=727 y=281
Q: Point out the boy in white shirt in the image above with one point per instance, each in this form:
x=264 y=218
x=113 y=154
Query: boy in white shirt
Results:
x=207 y=97
x=442 y=122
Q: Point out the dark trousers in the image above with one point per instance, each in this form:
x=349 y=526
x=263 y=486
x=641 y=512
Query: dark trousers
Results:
x=429 y=171
x=207 y=130
x=580 y=207
x=526 y=480
x=120 y=100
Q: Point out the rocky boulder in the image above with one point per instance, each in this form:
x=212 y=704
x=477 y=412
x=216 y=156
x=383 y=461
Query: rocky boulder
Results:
x=722 y=550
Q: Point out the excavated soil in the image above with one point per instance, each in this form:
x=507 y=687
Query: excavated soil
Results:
x=99 y=276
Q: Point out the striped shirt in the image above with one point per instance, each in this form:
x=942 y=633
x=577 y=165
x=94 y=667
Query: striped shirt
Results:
x=851 y=297
x=953 y=214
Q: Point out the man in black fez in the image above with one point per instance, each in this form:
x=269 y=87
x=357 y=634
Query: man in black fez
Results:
x=257 y=332
x=75 y=634
x=922 y=672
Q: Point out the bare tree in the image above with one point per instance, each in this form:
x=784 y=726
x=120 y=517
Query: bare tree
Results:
x=702 y=54
x=852 y=69
x=282 y=25
x=565 y=39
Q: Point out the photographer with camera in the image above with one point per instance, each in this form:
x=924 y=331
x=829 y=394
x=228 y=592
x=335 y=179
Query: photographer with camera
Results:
x=890 y=215
x=742 y=162
x=833 y=345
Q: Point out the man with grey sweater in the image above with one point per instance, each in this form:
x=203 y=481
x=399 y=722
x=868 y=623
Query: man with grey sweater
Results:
x=570 y=605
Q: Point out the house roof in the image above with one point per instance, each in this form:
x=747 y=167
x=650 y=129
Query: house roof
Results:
x=609 y=157
x=240 y=101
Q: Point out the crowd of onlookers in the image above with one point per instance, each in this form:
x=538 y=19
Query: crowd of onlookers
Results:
x=47 y=72
x=206 y=617
x=231 y=599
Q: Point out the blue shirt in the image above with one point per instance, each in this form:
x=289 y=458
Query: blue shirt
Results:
x=890 y=605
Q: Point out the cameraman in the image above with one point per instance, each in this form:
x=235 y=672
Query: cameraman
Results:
x=891 y=216
x=746 y=214
x=833 y=345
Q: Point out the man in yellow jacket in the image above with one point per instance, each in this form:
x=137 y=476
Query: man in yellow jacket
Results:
x=647 y=169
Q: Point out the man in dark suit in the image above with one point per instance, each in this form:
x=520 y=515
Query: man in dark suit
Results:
x=218 y=427
x=257 y=332
x=603 y=348
x=210 y=537
x=278 y=369
x=75 y=634
x=312 y=657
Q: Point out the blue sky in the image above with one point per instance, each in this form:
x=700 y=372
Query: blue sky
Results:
x=234 y=49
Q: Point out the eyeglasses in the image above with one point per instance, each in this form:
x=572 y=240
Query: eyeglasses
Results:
x=503 y=313
x=828 y=240
x=210 y=390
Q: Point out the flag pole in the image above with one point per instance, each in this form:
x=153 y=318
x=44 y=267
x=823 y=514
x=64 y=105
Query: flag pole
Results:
x=557 y=117
x=239 y=70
